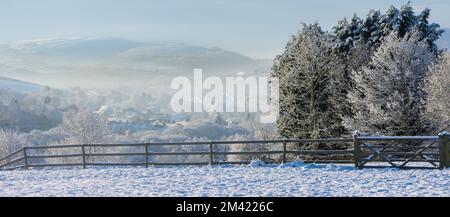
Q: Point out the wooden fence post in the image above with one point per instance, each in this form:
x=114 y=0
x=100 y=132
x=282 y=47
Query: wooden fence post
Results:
x=83 y=154
x=25 y=158
x=444 y=143
x=146 y=155
x=211 y=149
x=356 y=149
x=284 y=151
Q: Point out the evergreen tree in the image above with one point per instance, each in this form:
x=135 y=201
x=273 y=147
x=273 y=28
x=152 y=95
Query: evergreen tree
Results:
x=430 y=33
x=312 y=86
x=390 y=22
x=348 y=34
x=408 y=19
x=370 y=30
x=376 y=26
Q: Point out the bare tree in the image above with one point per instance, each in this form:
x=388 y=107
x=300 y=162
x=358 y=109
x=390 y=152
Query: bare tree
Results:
x=86 y=127
x=10 y=141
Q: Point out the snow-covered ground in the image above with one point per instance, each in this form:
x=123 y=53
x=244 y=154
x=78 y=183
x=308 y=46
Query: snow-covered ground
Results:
x=294 y=179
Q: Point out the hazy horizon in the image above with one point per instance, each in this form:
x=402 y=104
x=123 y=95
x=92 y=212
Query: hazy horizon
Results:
x=255 y=29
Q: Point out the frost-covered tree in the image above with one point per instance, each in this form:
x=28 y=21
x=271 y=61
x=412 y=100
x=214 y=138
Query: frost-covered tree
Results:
x=312 y=86
x=438 y=94
x=388 y=96
x=358 y=57
x=376 y=26
x=390 y=22
x=218 y=119
x=429 y=33
x=408 y=19
x=348 y=33
x=264 y=131
x=10 y=141
x=243 y=147
x=370 y=29
x=86 y=127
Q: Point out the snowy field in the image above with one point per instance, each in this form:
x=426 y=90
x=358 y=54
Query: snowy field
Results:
x=293 y=179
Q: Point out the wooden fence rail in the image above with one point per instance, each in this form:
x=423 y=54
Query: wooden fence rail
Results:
x=362 y=151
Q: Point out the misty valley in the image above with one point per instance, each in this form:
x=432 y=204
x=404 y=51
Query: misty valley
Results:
x=224 y=98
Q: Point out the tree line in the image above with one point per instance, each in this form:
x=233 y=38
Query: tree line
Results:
x=382 y=74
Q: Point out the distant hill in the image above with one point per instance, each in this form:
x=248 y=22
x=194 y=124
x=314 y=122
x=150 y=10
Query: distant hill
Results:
x=75 y=47
x=114 y=62
x=125 y=51
x=18 y=86
x=186 y=56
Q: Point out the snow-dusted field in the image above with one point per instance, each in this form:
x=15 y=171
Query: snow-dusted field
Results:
x=288 y=180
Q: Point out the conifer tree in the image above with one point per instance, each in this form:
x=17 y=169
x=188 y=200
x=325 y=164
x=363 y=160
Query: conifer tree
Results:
x=311 y=86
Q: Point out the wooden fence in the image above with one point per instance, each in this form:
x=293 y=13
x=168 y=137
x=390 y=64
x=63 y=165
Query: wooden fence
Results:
x=362 y=151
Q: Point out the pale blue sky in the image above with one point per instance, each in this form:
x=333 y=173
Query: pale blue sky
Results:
x=258 y=28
